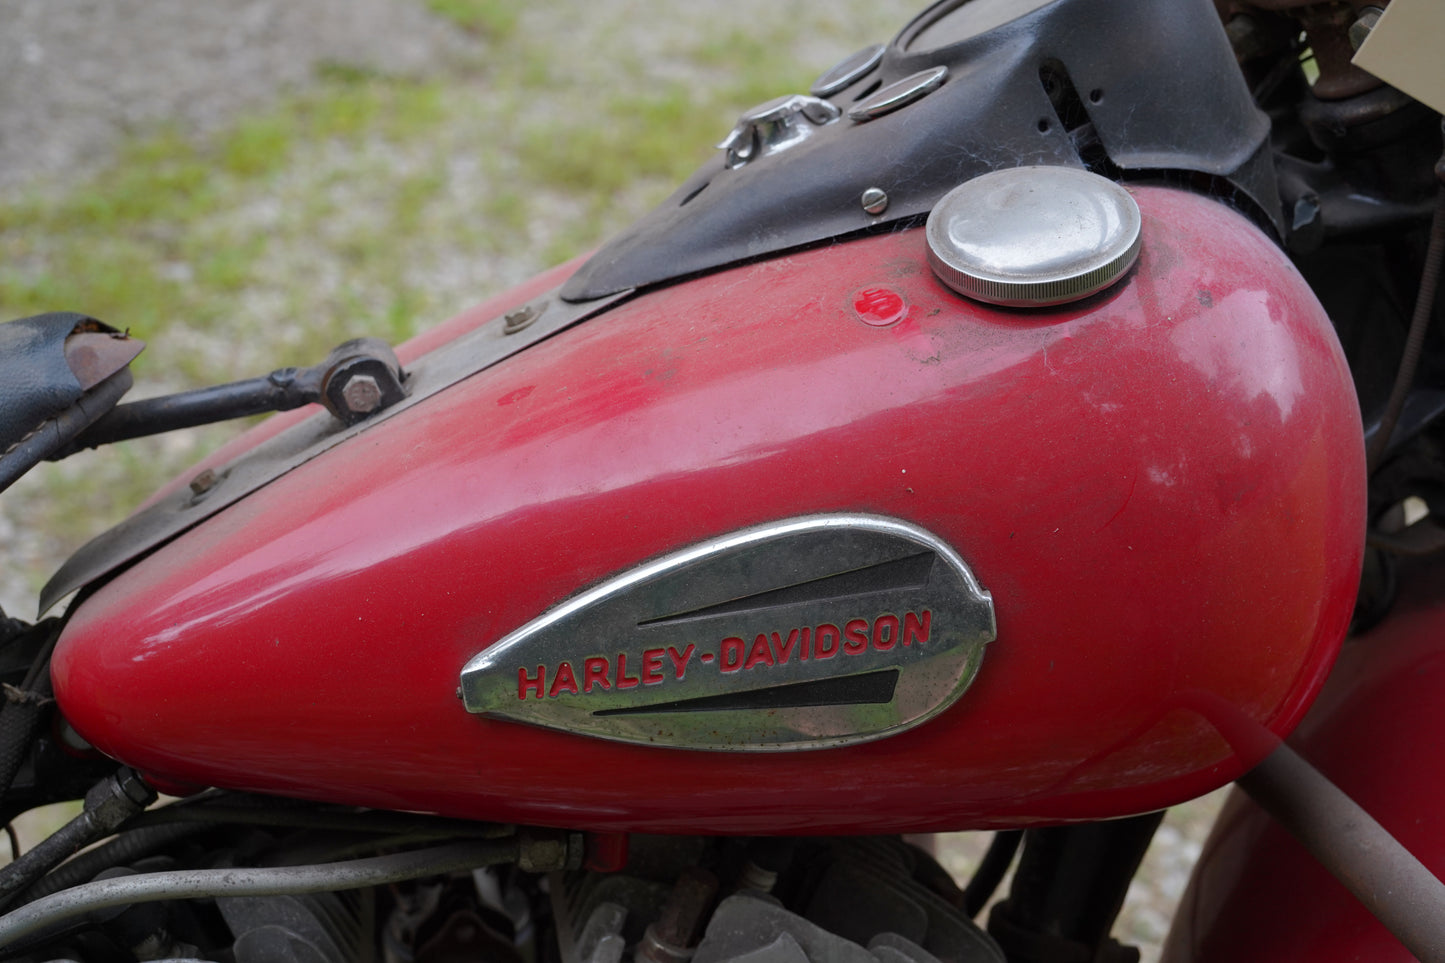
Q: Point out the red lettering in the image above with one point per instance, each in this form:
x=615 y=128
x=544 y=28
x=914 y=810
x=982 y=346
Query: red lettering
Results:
x=624 y=681
x=784 y=651
x=565 y=680
x=914 y=629
x=679 y=659
x=883 y=642
x=821 y=642
x=525 y=682
x=594 y=672
x=732 y=654
x=761 y=652
x=652 y=667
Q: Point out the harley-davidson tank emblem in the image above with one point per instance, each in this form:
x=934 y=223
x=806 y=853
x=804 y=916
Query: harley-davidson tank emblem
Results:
x=811 y=632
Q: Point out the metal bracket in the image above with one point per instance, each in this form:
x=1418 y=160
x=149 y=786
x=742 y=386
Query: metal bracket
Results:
x=427 y=376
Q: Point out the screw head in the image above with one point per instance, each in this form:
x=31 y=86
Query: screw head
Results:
x=204 y=482
x=874 y=200
x=361 y=394
x=517 y=320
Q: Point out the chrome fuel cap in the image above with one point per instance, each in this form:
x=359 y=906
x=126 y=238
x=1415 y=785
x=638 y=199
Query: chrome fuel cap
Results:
x=1033 y=236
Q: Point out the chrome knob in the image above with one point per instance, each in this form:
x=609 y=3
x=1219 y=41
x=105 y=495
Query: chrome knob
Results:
x=848 y=71
x=775 y=126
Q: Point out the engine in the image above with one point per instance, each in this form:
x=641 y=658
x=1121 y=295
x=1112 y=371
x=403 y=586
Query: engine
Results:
x=678 y=898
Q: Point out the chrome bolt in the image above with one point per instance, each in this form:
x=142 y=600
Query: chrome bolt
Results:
x=362 y=394
x=874 y=201
x=1363 y=24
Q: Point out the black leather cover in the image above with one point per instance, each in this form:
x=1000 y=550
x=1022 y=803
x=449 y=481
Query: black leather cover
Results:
x=35 y=382
x=1158 y=93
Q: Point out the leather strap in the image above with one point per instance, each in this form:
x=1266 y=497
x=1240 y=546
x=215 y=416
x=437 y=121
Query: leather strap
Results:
x=36 y=383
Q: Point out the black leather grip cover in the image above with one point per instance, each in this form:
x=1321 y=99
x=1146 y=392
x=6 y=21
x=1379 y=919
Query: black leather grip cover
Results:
x=36 y=384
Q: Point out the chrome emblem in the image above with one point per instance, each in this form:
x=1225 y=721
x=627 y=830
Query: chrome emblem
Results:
x=813 y=632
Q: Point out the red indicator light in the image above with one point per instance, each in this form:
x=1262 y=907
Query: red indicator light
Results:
x=879 y=306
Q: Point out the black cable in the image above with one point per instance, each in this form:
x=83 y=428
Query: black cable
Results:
x=11 y=629
x=21 y=712
x=382 y=822
x=1415 y=340
x=108 y=804
x=991 y=871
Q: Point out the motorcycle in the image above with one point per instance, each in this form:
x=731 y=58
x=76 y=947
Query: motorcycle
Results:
x=974 y=443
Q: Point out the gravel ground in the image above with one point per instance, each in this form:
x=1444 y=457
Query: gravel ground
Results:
x=79 y=77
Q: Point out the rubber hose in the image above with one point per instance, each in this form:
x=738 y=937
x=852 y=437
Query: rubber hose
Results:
x=18 y=721
x=125 y=848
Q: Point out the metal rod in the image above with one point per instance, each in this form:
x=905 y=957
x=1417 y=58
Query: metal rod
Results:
x=1382 y=874
x=358 y=378
x=270 y=881
x=280 y=390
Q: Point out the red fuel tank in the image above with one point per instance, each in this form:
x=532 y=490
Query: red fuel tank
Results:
x=917 y=564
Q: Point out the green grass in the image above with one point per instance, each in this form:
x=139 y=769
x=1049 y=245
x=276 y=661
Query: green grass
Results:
x=331 y=213
x=495 y=20
x=146 y=244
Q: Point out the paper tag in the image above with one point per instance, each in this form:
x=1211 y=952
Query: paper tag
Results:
x=1407 y=50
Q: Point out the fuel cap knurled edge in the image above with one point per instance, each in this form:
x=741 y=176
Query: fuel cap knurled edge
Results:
x=1033 y=236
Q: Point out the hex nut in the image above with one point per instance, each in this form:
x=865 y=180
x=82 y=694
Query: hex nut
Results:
x=361 y=394
x=1364 y=24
